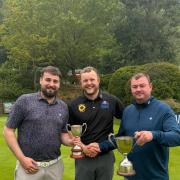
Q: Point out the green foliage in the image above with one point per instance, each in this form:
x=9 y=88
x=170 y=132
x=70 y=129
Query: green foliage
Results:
x=147 y=30
x=173 y=104
x=68 y=34
x=165 y=79
x=105 y=81
x=119 y=85
x=13 y=83
x=72 y=34
x=3 y=55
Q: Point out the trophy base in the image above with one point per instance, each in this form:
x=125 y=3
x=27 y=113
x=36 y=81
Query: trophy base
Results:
x=77 y=153
x=126 y=174
x=77 y=156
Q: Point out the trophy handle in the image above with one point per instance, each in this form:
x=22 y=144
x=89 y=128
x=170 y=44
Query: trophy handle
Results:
x=85 y=127
x=135 y=143
x=110 y=136
x=68 y=126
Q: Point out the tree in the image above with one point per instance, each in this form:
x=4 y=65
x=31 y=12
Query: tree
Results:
x=67 y=33
x=143 y=31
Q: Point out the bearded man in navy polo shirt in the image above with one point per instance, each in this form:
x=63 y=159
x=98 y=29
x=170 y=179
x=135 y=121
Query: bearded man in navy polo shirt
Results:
x=41 y=120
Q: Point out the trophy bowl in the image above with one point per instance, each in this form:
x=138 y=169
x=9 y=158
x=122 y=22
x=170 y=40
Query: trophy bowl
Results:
x=124 y=146
x=76 y=131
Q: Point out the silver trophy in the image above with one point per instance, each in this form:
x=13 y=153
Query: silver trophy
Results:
x=124 y=146
x=76 y=130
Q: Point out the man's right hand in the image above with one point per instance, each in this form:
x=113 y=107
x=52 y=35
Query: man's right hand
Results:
x=92 y=149
x=29 y=165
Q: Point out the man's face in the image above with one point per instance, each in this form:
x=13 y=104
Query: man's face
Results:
x=90 y=83
x=141 y=89
x=49 y=85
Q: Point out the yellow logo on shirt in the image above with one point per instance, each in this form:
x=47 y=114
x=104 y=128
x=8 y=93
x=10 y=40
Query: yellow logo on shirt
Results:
x=81 y=107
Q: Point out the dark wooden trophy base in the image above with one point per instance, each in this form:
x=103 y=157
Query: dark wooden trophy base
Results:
x=77 y=153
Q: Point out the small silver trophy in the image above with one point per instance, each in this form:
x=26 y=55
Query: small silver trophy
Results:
x=124 y=146
x=76 y=130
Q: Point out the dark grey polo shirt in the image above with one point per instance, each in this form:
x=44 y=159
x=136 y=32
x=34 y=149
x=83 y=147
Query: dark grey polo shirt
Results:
x=39 y=125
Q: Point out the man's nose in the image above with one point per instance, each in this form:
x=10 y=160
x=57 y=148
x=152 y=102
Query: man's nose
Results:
x=89 y=82
x=138 y=88
x=51 y=83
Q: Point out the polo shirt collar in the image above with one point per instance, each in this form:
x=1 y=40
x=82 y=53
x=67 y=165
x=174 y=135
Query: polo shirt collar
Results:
x=99 y=96
x=146 y=103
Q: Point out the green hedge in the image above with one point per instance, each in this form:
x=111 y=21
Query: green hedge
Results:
x=105 y=81
x=164 y=76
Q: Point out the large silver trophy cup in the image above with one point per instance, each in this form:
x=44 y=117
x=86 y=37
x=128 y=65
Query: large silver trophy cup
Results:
x=76 y=131
x=124 y=146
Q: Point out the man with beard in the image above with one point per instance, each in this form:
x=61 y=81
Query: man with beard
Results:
x=97 y=109
x=41 y=122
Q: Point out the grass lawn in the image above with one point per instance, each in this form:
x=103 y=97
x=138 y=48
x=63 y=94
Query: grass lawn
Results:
x=7 y=160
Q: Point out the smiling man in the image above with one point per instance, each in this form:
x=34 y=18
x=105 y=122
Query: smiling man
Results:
x=154 y=127
x=41 y=122
x=97 y=109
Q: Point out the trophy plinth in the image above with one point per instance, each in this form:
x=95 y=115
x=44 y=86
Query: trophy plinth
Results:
x=77 y=152
x=76 y=130
x=124 y=146
x=125 y=168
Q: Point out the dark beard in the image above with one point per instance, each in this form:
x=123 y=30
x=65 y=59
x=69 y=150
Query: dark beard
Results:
x=49 y=94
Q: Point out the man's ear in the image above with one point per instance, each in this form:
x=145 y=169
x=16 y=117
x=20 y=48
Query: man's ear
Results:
x=40 y=80
x=151 y=85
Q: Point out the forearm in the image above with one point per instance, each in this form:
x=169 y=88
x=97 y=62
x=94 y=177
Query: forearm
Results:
x=11 y=140
x=170 y=134
x=106 y=146
x=171 y=138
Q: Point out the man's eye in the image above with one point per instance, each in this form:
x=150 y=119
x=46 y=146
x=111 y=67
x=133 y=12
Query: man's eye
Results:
x=48 y=80
x=55 y=81
x=142 y=85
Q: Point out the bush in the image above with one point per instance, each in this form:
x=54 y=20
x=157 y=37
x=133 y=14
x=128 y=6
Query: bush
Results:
x=174 y=104
x=165 y=78
x=119 y=85
x=105 y=81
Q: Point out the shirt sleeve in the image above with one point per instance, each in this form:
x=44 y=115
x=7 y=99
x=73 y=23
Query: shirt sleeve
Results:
x=16 y=116
x=106 y=145
x=66 y=118
x=121 y=131
x=71 y=119
x=170 y=136
x=118 y=108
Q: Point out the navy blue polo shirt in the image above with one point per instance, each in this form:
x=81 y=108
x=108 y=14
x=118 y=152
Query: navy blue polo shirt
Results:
x=39 y=125
x=150 y=160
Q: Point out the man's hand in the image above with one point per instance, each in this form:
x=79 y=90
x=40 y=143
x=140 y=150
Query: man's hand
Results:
x=92 y=149
x=29 y=165
x=142 y=137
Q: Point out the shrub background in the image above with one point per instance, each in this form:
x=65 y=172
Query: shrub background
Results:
x=165 y=78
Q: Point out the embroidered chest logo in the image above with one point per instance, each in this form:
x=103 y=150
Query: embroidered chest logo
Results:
x=105 y=105
x=81 y=107
x=150 y=118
